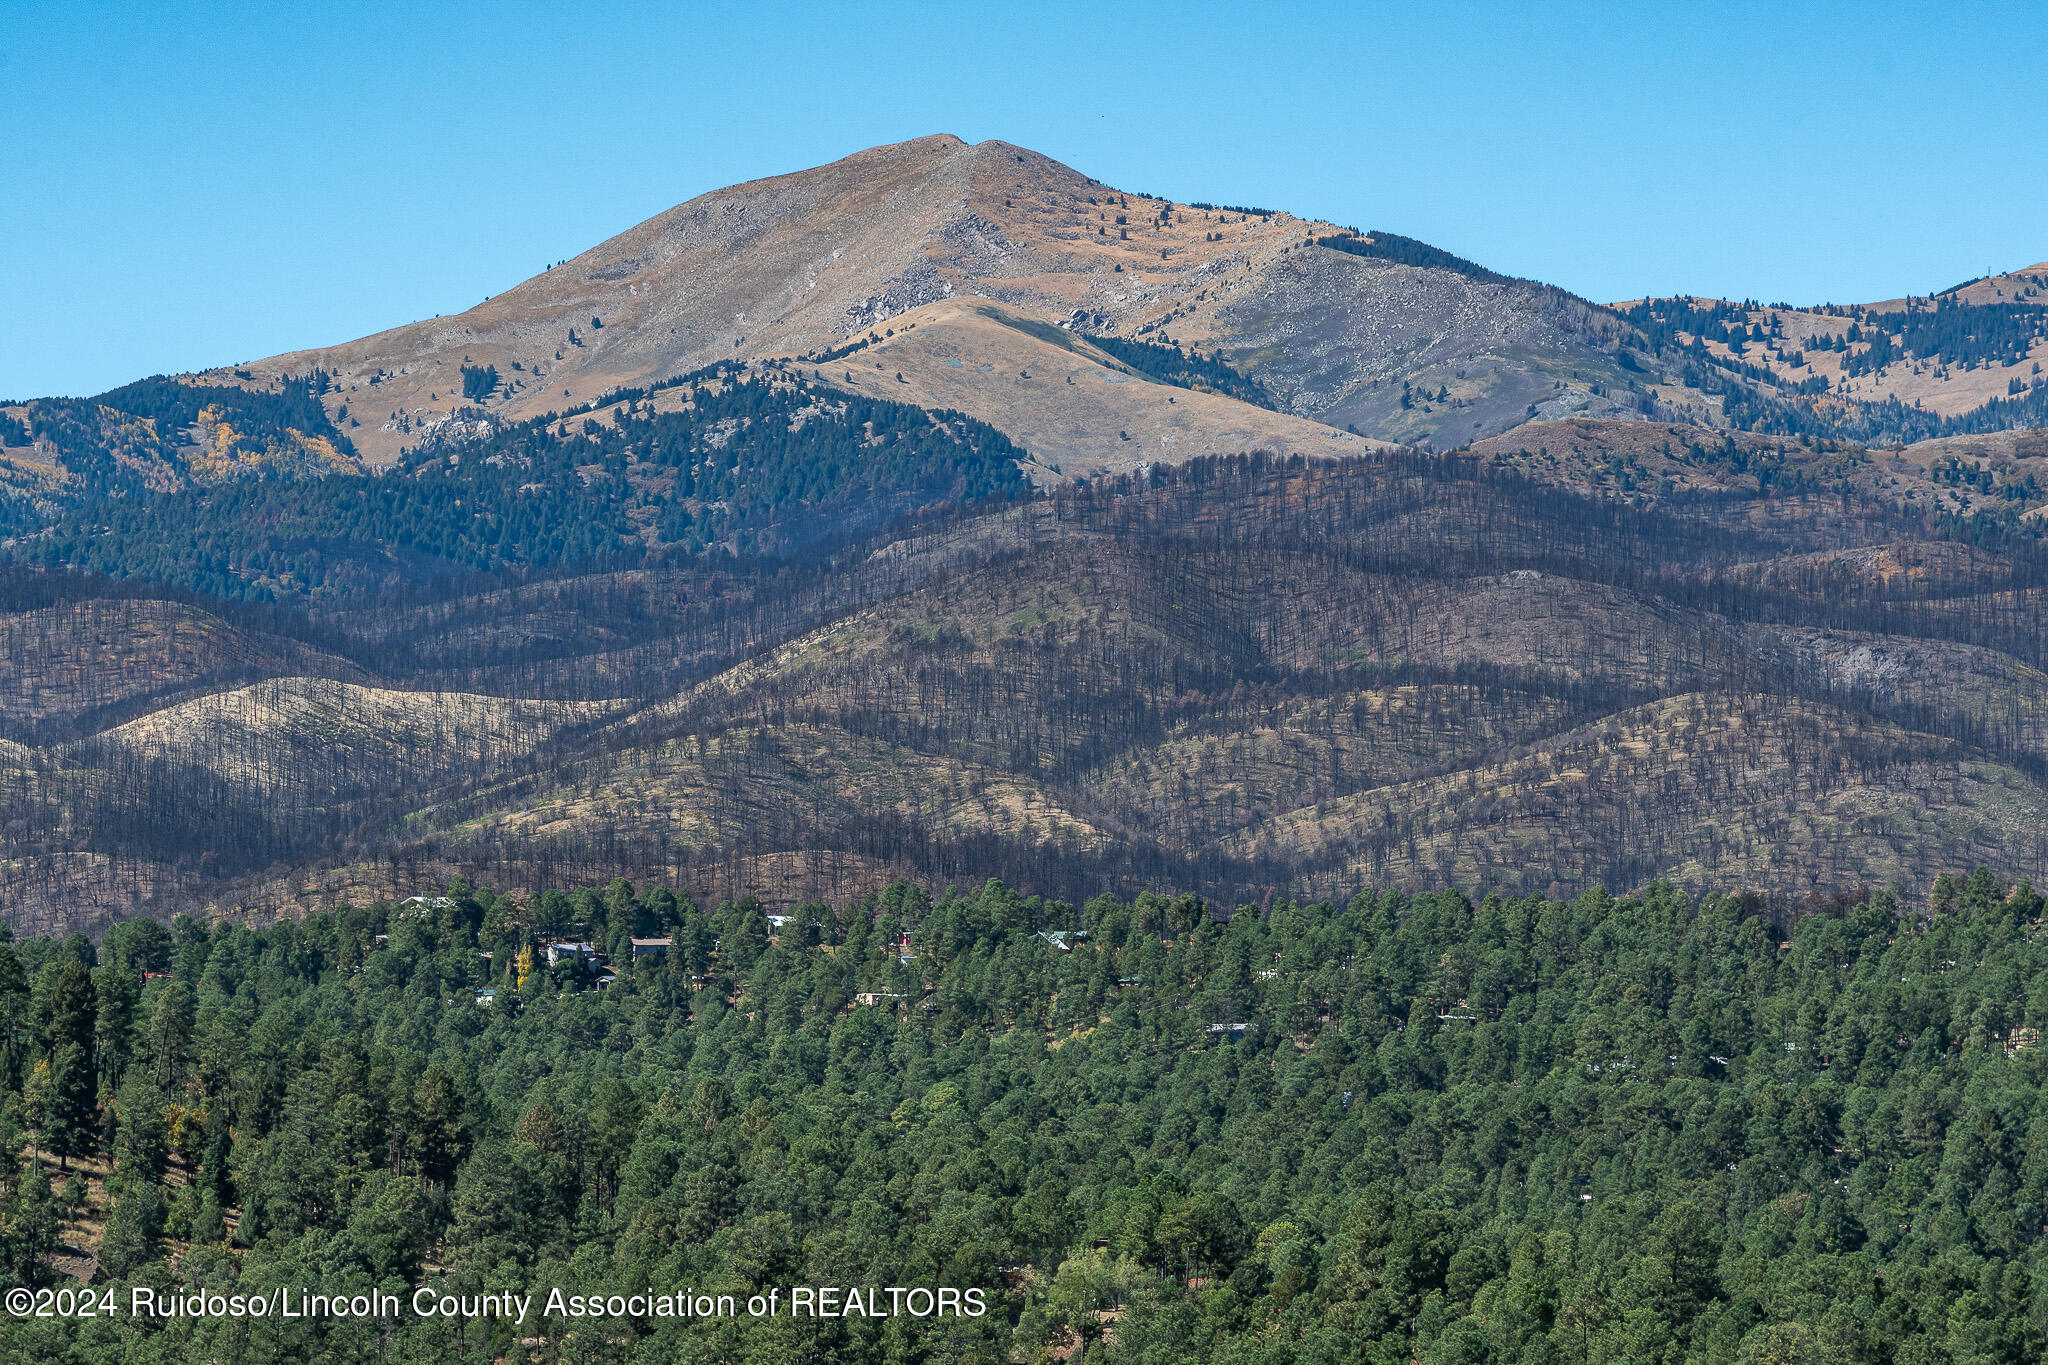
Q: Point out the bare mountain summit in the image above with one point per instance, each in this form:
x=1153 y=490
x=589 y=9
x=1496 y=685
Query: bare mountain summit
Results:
x=792 y=265
x=800 y=265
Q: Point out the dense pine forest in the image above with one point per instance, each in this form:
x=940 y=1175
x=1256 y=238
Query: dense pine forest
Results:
x=1393 y=1128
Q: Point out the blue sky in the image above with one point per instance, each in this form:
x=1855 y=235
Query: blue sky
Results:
x=194 y=185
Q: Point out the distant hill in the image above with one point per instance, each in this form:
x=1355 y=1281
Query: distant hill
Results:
x=1354 y=335
x=1971 y=358
x=1254 y=675
x=1371 y=333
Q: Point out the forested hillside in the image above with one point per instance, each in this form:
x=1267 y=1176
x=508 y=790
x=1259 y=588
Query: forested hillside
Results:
x=717 y=458
x=1217 y=785
x=160 y=436
x=1388 y=1128
x=1965 y=360
x=945 y=513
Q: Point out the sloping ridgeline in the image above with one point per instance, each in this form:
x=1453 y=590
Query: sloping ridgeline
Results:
x=162 y=434
x=747 y=464
x=1392 y=246
x=172 y=405
x=1186 y=369
x=1388 y=1128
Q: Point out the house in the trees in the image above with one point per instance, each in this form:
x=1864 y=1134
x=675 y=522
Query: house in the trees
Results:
x=558 y=953
x=878 y=997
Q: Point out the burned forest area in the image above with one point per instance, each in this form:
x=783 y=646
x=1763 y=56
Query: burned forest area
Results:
x=1257 y=675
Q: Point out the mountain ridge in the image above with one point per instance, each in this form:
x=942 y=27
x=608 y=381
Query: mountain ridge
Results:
x=1344 y=326
x=944 y=512
x=826 y=254
x=837 y=251
x=1372 y=334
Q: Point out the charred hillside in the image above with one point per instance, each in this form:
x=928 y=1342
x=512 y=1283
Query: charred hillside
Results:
x=1256 y=675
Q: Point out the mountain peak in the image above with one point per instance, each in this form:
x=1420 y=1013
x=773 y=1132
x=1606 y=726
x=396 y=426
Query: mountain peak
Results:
x=1373 y=334
x=798 y=264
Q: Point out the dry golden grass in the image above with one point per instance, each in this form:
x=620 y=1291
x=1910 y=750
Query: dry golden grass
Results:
x=1079 y=411
x=795 y=264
